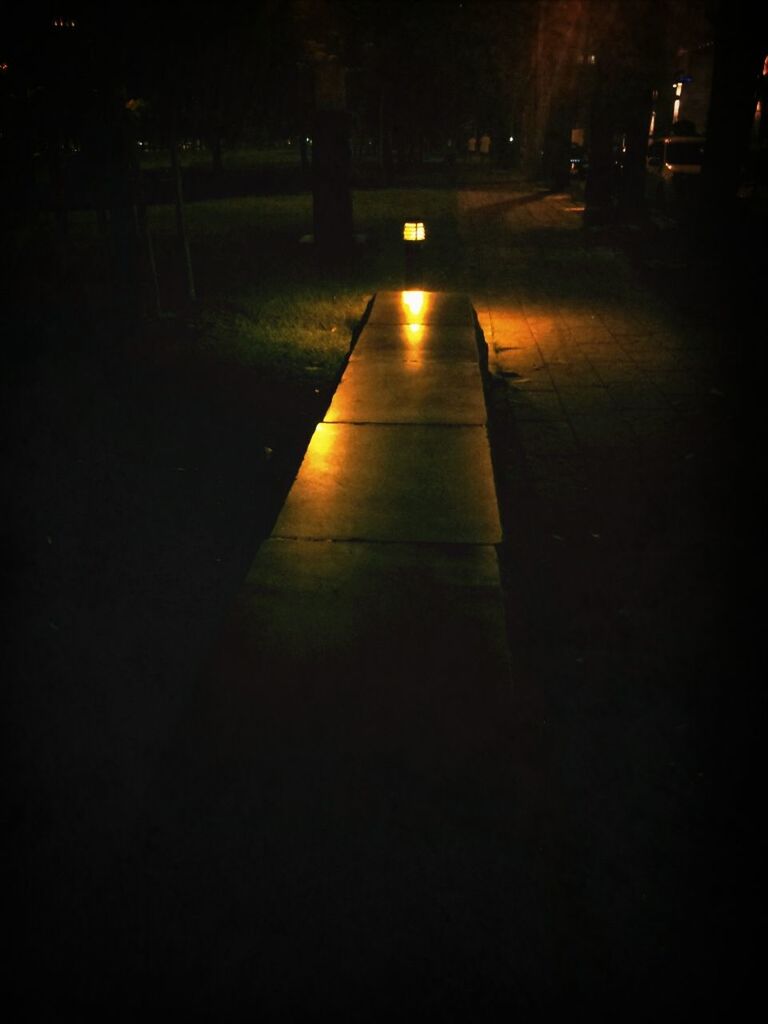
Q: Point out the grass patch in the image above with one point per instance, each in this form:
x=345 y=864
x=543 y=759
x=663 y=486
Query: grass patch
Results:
x=266 y=300
x=289 y=335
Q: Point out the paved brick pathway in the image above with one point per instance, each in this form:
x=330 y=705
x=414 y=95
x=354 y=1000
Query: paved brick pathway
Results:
x=624 y=496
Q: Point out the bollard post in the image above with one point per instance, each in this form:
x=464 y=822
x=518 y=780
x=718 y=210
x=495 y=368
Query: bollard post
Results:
x=414 y=237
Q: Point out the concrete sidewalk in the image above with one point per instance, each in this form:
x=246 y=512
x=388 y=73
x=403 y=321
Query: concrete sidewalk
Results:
x=353 y=713
x=376 y=601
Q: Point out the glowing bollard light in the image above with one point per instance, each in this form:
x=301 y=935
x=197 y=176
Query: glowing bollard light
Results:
x=414 y=231
x=414 y=236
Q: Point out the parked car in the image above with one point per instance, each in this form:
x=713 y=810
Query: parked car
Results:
x=673 y=168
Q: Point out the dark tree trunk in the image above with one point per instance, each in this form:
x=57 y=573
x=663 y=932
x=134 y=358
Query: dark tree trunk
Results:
x=631 y=205
x=598 y=189
x=331 y=163
x=740 y=46
x=56 y=176
x=332 y=197
x=121 y=174
x=556 y=161
x=181 y=221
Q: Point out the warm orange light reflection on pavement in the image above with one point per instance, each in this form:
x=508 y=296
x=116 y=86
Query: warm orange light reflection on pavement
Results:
x=415 y=303
x=320 y=451
x=414 y=336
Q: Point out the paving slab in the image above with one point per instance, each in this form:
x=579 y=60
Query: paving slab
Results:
x=395 y=646
x=589 y=399
x=534 y=406
x=639 y=394
x=409 y=483
x=335 y=779
x=409 y=389
x=422 y=340
x=596 y=432
x=420 y=307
